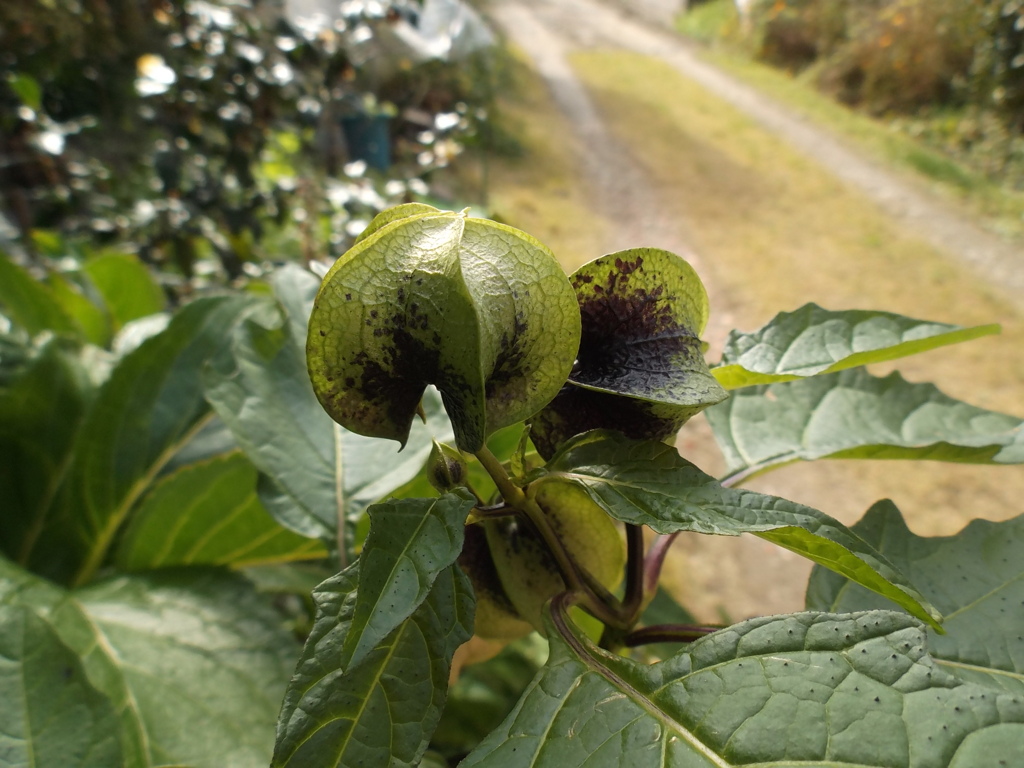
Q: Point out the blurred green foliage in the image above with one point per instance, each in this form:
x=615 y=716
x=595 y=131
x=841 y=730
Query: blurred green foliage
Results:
x=206 y=136
x=948 y=71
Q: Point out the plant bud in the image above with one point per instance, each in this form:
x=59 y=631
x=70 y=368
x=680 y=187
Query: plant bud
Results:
x=447 y=469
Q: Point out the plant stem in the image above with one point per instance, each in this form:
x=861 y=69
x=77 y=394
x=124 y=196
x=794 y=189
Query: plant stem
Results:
x=731 y=481
x=656 y=560
x=667 y=633
x=494 y=510
x=632 y=601
x=659 y=549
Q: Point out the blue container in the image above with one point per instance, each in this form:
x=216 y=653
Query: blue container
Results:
x=369 y=139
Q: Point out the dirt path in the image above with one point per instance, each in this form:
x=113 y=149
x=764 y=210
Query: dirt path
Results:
x=638 y=207
x=625 y=193
x=547 y=31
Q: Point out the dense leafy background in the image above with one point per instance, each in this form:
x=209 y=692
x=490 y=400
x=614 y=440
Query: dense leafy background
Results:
x=141 y=501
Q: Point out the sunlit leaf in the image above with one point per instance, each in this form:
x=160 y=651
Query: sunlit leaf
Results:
x=208 y=514
x=812 y=340
x=854 y=415
x=150 y=407
x=391 y=215
x=480 y=310
x=807 y=689
x=30 y=303
x=194 y=661
x=126 y=285
x=27 y=89
x=640 y=368
x=976 y=578
x=52 y=716
x=649 y=483
x=94 y=323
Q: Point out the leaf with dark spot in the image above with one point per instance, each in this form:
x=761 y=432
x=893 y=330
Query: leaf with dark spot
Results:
x=641 y=367
x=478 y=309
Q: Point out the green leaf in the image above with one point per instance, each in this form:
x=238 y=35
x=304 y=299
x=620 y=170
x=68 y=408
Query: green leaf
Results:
x=52 y=716
x=205 y=659
x=126 y=285
x=150 y=407
x=640 y=368
x=93 y=321
x=383 y=710
x=479 y=309
x=295 y=289
x=16 y=352
x=812 y=340
x=854 y=415
x=40 y=412
x=315 y=472
x=27 y=89
x=648 y=483
x=210 y=441
x=30 y=303
x=807 y=689
x=194 y=661
x=433 y=760
x=976 y=578
x=411 y=541
x=208 y=514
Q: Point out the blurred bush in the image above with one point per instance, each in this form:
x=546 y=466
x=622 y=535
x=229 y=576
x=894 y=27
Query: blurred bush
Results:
x=952 y=70
x=206 y=136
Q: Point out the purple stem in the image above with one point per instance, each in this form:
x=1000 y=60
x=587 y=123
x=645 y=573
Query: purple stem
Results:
x=668 y=633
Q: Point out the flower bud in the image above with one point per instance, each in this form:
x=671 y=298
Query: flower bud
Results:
x=446 y=468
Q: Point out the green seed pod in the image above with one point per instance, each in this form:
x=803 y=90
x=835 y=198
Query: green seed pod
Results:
x=528 y=572
x=496 y=617
x=480 y=310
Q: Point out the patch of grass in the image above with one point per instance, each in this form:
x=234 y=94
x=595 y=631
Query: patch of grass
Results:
x=941 y=169
x=983 y=197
